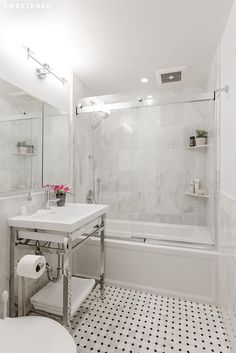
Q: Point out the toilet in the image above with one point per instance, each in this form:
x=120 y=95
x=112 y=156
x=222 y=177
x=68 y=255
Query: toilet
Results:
x=34 y=334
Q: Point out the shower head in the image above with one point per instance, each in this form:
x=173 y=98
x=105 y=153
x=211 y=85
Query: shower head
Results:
x=105 y=114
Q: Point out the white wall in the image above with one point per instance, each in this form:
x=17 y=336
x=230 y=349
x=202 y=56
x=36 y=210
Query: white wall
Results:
x=227 y=195
x=224 y=73
x=228 y=107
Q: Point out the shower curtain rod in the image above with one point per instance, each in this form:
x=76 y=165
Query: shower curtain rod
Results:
x=200 y=97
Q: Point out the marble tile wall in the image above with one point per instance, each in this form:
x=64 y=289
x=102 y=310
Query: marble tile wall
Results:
x=56 y=146
x=83 y=162
x=80 y=143
x=227 y=264
x=141 y=157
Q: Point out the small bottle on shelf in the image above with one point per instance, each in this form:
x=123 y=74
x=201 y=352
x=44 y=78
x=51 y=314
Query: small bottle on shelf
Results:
x=29 y=204
x=192 y=141
x=196 y=185
x=192 y=186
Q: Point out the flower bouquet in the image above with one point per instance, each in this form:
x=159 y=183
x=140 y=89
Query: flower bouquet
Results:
x=60 y=191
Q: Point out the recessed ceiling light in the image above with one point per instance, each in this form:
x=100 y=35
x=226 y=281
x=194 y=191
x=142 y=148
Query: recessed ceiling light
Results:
x=171 y=77
x=149 y=97
x=144 y=80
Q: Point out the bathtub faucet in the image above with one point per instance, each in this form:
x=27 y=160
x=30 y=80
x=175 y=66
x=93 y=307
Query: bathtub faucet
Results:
x=90 y=198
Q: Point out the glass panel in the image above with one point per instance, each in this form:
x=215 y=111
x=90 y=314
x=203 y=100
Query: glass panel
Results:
x=129 y=171
x=169 y=166
x=87 y=142
x=142 y=160
x=56 y=158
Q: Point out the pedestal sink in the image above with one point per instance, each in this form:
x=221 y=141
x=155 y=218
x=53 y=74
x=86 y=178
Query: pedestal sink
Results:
x=64 y=219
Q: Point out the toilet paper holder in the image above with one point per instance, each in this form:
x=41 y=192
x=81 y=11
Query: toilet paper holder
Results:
x=40 y=266
x=22 y=290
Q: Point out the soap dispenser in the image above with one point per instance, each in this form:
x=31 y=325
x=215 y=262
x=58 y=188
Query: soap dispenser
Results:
x=29 y=204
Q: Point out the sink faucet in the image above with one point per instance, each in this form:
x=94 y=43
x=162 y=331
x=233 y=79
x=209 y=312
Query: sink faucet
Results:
x=90 y=198
x=49 y=201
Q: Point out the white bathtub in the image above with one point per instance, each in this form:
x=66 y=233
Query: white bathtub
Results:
x=152 y=263
x=151 y=232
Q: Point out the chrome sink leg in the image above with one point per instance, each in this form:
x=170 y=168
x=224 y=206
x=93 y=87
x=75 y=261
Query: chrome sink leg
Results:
x=102 y=255
x=13 y=234
x=67 y=278
x=21 y=296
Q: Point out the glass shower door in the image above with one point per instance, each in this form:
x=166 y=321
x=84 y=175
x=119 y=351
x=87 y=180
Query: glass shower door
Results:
x=140 y=158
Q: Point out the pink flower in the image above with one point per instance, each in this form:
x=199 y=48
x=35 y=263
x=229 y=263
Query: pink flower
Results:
x=62 y=189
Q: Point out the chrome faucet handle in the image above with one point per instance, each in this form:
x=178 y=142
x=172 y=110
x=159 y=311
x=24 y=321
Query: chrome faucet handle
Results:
x=29 y=196
x=48 y=199
x=90 y=198
x=5 y=298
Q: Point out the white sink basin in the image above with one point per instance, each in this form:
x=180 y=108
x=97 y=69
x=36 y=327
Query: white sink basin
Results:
x=65 y=219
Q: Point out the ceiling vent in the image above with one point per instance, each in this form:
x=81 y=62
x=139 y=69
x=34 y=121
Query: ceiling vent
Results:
x=171 y=75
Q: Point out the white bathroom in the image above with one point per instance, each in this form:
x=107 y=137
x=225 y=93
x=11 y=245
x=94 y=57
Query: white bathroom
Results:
x=117 y=176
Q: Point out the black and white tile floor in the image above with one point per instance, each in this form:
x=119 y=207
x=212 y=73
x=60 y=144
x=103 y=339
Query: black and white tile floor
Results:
x=133 y=321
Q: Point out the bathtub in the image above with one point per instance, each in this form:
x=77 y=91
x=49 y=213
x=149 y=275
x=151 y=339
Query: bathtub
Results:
x=151 y=233
x=149 y=257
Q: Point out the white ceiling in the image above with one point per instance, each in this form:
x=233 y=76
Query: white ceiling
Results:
x=111 y=44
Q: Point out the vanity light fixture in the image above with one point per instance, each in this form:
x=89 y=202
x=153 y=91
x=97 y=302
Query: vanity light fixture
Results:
x=44 y=69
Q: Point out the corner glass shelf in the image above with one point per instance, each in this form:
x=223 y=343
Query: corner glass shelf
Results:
x=197 y=147
x=25 y=154
x=196 y=195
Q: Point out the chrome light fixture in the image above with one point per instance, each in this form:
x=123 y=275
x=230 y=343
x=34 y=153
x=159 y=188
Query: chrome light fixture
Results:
x=44 y=69
x=42 y=73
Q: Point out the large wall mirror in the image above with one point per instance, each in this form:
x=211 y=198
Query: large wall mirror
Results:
x=34 y=143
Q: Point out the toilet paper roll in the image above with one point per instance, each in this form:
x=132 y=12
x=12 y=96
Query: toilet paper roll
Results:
x=31 y=266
